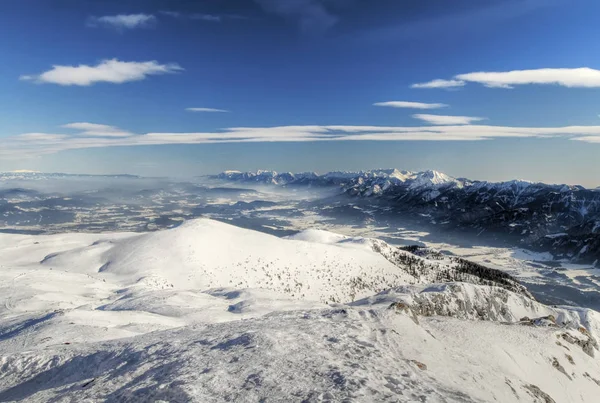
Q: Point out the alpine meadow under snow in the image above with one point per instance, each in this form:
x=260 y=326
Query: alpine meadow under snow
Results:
x=210 y=312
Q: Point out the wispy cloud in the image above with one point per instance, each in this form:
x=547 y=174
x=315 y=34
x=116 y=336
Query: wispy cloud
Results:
x=589 y=139
x=447 y=120
x=123 y=21
x=205 y=110
x=444 y=84
x=95 y=135
x=40 y=137
x=97 y=130
x=410 y=105
x=108 y=71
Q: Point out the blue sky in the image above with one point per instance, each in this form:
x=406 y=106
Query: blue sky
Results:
x=486 y=89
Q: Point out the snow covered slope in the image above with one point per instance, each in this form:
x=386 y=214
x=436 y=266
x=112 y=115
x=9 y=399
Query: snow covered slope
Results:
x=208 y=312
x=202 y=254
x=344 y=354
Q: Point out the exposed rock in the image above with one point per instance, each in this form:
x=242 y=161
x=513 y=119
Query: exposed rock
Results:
x=592 y=378
x=546 y=321
x=556 y=364
x=570 y=359
x=588 y=345
x=539 y=394
x=419 y=365
x=485 y=304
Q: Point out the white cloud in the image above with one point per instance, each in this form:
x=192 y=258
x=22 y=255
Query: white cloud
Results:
x=109 y=71
x=205 y=110
x=123 y=21
x=444 y=84
x=93 y=130
x=447 y=120
x=580 y=77
x=583 y=77
x=410 y=105
x=94 y=135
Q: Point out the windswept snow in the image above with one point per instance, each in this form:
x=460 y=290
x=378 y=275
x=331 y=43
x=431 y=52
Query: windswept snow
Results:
x=208 y=312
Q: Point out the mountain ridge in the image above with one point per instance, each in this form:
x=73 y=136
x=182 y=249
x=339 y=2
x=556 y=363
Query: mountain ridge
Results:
x=282 y=178
x=524 y=212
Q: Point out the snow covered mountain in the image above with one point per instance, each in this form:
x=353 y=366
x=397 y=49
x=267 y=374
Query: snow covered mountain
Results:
x=528 y=213
x=377 y=177
x=208 y=312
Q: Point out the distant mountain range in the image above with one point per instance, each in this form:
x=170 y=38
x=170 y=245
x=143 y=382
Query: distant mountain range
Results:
x=33 y=175
x=562 y=219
